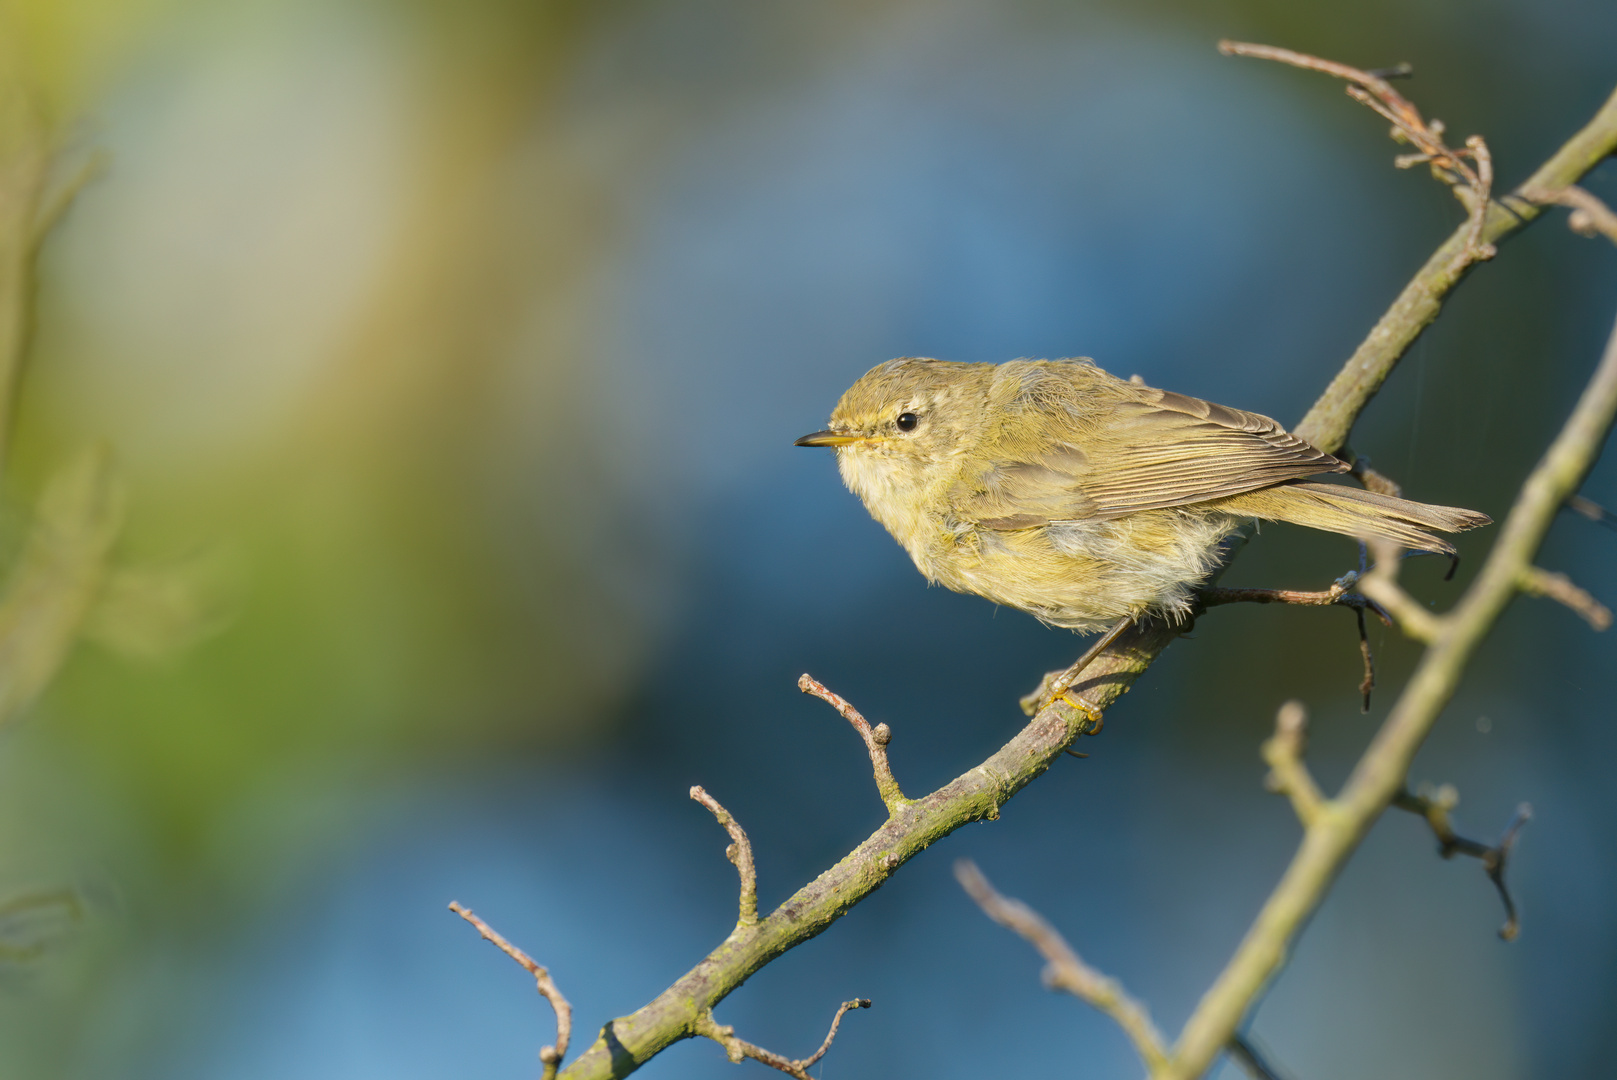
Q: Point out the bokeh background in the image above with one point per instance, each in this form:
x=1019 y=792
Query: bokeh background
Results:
x=453 y=353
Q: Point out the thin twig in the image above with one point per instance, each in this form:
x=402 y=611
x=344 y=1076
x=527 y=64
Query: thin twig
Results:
x=1589 y=217
x=1563 y=590
x=1340 y=593
x=739 y=852
x=550 y=1056
x=1434 y=804
x=1381 y=585
x=876 y=740
x=1288 y=774
x=1380 y=483
x=1064 y=969
x=1369 y=88
x=737 y=1049
x=1592 y=511
x=1246 y=1054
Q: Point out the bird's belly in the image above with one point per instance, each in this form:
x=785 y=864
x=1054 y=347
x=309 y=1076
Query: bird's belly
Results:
x=1086 y=575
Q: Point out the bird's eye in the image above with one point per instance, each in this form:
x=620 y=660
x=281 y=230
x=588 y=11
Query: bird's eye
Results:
x=907 y=421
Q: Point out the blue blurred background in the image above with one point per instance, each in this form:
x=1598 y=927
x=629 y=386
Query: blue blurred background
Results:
x=472 y=339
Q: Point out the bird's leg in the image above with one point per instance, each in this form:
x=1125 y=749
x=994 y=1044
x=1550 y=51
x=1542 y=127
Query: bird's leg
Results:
x=1340 y=594
x=1060 y=686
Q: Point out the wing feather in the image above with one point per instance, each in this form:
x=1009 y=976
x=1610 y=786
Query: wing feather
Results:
x=1107 y=449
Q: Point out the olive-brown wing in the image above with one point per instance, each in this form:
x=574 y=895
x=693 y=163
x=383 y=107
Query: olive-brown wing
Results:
x=1153 y=450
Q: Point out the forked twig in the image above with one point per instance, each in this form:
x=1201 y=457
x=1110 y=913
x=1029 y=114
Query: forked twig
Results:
x=1472 y=184
x=737 y=1049
x=550 y=1056
x=1341 y=593
x=1434 y=806
x=876 y=740
x=1563 y=590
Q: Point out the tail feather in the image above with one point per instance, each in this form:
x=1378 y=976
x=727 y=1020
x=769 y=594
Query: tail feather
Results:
x=1357 y=513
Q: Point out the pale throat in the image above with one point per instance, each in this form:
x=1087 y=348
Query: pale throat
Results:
x=891 y=490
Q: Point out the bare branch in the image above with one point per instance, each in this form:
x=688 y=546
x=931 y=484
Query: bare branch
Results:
x=739 y=852
x=1340 y=593
x=1288 y=774
x=550 y=1056
x=1434 y=805
x=1381 y=585
x=1560 y=588
x=1329 y=421
x=1589 y=217
x=1371 y=89
x=1064 y=970
x=1247 y=1055
x=876 y=740
x=737 y=1049
x=1592 y=511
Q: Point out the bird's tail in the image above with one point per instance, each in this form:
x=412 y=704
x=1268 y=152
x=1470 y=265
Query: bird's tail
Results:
x=1357 y=513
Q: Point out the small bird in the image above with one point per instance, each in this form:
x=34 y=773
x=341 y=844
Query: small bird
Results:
x=1081 y=498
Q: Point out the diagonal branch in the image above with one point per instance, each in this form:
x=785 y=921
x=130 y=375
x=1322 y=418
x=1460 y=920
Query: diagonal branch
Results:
x=550 y=1056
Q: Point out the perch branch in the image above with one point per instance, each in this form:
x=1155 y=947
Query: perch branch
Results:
x=739 y=852
x=737 y=1049
x=1064 y=969
x=1379 y=775
x=628 y=1042
x=876 y=740
x=550 y=1056
x=1434 y=807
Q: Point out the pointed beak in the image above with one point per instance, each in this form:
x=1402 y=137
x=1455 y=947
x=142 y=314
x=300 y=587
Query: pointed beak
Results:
x=828 y=438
